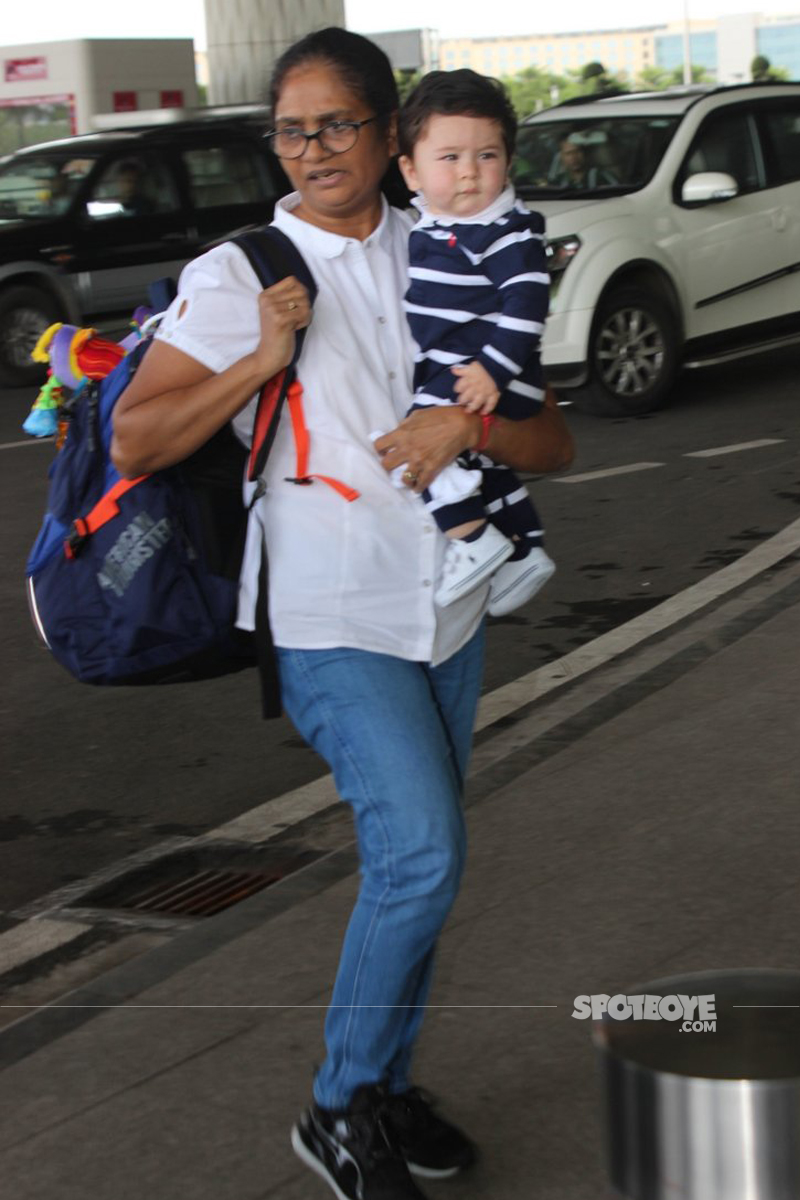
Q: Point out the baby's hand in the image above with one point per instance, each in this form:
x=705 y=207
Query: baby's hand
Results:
x=475 y=389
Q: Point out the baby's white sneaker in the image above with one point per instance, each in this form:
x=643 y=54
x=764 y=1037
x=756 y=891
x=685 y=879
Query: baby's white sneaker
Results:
x=518 y=581
x=469 y=564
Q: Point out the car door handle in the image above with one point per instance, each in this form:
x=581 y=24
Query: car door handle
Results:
x=56 y=249
x=175 y=237
x=779 y=219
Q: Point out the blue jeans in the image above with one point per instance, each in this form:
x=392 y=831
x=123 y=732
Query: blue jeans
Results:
x=397 y=737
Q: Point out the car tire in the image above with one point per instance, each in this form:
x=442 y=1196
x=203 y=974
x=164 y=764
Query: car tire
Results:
x=25 y=312
x=634 y=355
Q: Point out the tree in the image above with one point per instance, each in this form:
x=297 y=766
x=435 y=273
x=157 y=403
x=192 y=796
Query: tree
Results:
x=406 y=81
x=763 y=71
x=593 y=79
x=656 y=79
x=532 y=90
x=760 y=68
x=595 y=76
x=696 y=73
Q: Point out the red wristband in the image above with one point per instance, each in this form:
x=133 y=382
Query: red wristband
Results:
x=487 y=421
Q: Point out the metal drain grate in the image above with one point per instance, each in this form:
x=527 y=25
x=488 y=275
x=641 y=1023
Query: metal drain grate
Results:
x=195 y=884
x=202 y=894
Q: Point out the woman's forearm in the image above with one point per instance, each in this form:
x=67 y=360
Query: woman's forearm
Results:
x=173 y=405
x=429 y=439
x=540 y=444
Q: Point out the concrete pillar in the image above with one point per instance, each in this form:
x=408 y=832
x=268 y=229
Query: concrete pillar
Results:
x=736 y=47
x=245 y=37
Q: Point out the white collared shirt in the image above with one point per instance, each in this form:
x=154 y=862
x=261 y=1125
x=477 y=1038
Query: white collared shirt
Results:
x=359 y=574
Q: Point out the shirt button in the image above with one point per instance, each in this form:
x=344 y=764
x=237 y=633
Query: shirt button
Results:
x=392 y=374
x=381 y=320
x=428 y=528
x=426 y=583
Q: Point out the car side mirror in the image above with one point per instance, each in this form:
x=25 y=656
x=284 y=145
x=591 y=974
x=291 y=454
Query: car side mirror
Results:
x=709 y=187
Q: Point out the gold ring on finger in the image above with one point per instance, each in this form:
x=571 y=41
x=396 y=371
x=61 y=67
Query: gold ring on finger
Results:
x=291 y=305
x=409 y=477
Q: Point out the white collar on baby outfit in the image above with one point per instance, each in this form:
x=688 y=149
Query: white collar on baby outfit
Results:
x=496 y=209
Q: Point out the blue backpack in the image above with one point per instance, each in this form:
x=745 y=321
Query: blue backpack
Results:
x=136 y=581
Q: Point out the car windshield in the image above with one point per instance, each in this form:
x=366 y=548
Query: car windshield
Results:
x=593 y=158
x=40 y=186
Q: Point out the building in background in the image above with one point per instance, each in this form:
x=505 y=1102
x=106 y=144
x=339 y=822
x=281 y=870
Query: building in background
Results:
x=724 y=47
x=778 y=39
x=410 y=49
x=53 y=89
x=623 y=51
x=668 y=41
x=245 y=37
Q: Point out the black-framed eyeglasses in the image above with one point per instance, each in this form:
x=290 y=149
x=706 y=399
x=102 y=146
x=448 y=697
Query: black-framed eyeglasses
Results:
x=335 y=137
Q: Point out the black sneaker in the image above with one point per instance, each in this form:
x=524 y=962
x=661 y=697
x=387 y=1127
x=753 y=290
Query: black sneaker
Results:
x=354 y=1150
x=430 y=1145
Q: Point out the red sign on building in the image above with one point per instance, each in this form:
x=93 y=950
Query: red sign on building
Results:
x=21 y=70
x=173 y=99
x=125 y=101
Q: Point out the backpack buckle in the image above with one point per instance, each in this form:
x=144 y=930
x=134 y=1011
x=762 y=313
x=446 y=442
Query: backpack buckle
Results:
x=260 y=490
x=75 y=539
x=304 y=479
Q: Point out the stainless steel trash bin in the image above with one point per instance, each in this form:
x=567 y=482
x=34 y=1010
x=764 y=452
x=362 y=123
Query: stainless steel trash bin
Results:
x=695 y=1113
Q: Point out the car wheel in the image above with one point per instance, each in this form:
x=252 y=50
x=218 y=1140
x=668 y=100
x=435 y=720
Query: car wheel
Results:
x=633 y=355
x=25 y=313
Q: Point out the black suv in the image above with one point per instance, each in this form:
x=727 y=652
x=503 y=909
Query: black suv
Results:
x=86 y=223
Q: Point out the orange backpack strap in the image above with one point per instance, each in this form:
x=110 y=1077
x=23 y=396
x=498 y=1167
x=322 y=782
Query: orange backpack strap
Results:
x=270 y=402
x=103 y=512
x=294 y=399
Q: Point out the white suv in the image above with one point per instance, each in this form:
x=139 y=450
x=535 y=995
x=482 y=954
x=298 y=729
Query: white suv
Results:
x=673 y=226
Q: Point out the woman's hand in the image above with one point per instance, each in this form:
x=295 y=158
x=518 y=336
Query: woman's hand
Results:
x=283 y=309
x=430 y=438
x=173 y=404
x=427 y=440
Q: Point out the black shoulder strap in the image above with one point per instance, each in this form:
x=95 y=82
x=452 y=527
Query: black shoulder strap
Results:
x=273 y=256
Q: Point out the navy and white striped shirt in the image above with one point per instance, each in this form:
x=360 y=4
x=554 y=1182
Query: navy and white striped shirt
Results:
x=479 y=290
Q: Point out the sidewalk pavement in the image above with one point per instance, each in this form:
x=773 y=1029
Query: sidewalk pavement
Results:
x=643 y=823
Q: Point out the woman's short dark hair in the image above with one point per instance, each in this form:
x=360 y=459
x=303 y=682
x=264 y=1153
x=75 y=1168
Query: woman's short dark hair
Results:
x=462 y=93
x=362 y=65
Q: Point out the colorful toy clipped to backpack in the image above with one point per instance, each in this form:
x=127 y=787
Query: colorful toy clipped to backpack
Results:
x=75 y=356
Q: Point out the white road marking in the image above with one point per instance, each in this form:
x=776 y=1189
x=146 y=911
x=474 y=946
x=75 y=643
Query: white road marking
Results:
x=642 y=466
x=30 y=442
x=33 y=938
x=734 y=449
x=506 y=699
x=276 y=815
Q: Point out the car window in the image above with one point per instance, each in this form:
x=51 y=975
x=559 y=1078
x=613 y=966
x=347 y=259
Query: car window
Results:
x=134 y=185
x=725 y=142
x=40 y=186
x=593 y=157
x=781 y=132
x=230 y=174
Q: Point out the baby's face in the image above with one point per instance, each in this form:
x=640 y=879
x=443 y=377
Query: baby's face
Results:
x=459 y=164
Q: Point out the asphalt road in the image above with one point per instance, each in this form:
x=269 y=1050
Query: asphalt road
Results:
x=92 y=775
